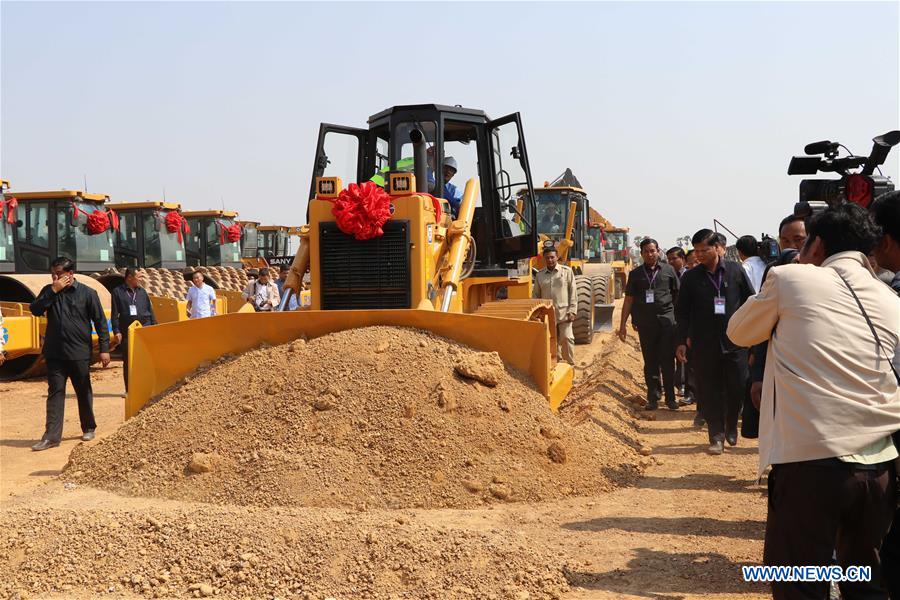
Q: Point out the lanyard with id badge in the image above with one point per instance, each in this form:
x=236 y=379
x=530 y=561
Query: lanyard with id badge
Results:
x=132 y=308
x=649 y=296
x=719 y=300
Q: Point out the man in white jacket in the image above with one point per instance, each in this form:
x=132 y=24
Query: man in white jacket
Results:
x=830 y=403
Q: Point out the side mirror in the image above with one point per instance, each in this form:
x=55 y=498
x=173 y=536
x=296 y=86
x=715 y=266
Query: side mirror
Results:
x=516 y=153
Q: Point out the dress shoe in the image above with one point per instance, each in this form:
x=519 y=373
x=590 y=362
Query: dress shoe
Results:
x=87 y=435
x=731 y=438
x=717 y=447
x=699 y=421
x=651 y=406
x=686 y=400
x=44 y=445
x=671 y=404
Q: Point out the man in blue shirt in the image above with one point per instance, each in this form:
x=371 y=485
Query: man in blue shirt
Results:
x=452 y=194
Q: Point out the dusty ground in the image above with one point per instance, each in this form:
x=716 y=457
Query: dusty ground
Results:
x=681 y=532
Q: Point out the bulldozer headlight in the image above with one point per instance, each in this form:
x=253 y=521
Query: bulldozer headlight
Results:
x=328 y=187
x=401 y=184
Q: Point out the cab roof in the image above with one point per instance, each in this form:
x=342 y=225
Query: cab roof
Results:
x=559 y=188
x=225 y=214
x=459 y=110
x=273 y=228
x=58 y=195
x=158 y=204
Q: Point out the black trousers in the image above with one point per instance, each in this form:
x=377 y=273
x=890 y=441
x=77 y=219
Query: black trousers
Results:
x=721 y=382
x=815 y=510
x=658 y=349
x=890 y=558
x=79 y=373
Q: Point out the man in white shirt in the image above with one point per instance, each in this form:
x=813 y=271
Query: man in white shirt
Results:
x=753 y=264
x=201 y=298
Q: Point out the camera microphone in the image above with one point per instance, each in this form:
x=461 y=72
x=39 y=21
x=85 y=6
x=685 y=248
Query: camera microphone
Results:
x=819 y=147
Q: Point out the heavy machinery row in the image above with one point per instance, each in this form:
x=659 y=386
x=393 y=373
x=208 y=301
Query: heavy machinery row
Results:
x=463 y=273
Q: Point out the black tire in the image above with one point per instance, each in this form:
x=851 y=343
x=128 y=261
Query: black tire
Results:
x=583 y=327
x=602 y=290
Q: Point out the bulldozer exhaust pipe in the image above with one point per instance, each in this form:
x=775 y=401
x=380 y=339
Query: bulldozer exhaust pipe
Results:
x=420 y=161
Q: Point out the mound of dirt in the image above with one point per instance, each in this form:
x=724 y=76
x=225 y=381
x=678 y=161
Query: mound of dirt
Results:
x=236 y=552
x=376 y=417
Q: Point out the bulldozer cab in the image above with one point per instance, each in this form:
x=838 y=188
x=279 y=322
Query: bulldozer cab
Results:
x=616 y=245
x=554 y=205
x=273 y=241
x=144 y=240
x=39 y=226
x=492 y=150
x=212 y=242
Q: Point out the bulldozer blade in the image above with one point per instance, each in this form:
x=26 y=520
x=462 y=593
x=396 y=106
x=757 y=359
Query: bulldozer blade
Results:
x=603 y=317
x=162 y=355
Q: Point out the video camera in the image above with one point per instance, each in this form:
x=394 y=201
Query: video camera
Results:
x=857 y=183
x=767 y=249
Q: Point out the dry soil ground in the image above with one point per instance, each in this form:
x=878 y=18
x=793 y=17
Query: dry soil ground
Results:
x=682 y=531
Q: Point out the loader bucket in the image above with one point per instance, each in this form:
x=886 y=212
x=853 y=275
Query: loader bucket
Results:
x=163 y=355
x=603 y=317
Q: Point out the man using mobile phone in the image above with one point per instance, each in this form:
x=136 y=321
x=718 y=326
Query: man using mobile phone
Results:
x=71 y=309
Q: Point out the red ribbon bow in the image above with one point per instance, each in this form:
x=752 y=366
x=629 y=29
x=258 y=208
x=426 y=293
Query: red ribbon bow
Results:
x=362 y=210
x=9 y=207
x=99 y=220
x=175 y=222
x=232 y=233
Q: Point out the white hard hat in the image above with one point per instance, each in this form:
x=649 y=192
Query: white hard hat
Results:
x=451 y=162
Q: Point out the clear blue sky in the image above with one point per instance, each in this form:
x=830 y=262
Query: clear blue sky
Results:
x=669 y=113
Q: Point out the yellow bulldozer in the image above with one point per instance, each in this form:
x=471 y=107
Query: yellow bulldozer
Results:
x=466 y=278
x=562 y=217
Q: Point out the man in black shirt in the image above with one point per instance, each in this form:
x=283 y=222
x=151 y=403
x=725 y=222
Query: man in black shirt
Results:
x=650 y=296
x=709 y=295
x=130 y=303
x=71 y=309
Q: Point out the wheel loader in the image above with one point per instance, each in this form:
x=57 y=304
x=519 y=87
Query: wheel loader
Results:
x=37 y=227
x=562 y=209
x=611 y=246
x=466 y=278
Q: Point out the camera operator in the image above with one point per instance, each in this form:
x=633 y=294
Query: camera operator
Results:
x=262 y=293
x=791 y=236
x=830 y=403
x=886 y=212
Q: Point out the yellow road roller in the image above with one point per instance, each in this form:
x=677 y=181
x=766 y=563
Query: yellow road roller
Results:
x=37 y=227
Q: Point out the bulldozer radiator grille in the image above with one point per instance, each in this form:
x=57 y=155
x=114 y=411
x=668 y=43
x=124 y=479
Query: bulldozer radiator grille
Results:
x=364 y=274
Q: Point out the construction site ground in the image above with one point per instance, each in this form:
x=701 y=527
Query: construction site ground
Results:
x=682 y=531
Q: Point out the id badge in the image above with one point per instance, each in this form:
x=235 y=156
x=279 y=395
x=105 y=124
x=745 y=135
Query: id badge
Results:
x=648 y=297
x=132 y=310
x=718 y=305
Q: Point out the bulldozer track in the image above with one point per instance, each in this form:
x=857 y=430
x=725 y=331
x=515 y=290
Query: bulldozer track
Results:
x=523 y=310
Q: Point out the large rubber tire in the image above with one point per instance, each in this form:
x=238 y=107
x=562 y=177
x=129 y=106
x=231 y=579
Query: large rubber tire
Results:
x=583 y=327
x=603 y=291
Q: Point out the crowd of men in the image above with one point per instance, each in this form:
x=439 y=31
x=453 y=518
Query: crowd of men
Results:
x=804 y=350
